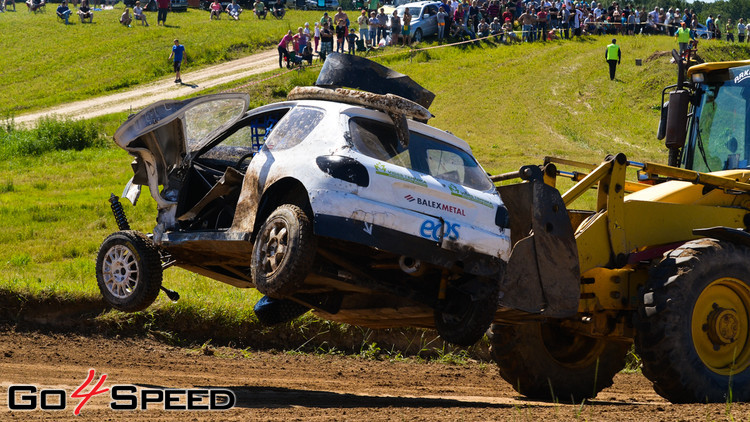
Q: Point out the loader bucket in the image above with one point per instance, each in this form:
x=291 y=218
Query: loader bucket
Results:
x=542 y=275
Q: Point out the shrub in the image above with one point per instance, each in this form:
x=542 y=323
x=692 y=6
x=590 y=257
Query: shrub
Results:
x=51 y=133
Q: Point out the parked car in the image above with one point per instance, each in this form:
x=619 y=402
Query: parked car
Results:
x=338 y=200
x=321 y=4
x=701 y=31
x=423 y=18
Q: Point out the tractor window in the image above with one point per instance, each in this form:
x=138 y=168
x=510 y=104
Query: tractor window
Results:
x=722 y=141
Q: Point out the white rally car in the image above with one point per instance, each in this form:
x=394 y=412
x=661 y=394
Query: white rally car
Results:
x=336 y=200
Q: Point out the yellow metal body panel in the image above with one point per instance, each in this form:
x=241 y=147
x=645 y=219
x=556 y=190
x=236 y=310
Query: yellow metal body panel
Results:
x=710 y=67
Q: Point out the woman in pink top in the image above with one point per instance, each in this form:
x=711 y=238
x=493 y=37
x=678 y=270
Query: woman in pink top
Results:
x=282 y=47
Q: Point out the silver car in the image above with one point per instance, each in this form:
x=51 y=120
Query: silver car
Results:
x=423 y=18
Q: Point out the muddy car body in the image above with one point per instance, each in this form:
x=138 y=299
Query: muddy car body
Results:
x=326 y=201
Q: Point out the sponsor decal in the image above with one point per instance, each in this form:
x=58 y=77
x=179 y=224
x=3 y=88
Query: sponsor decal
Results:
x=462 y=193
x=123 y=397
x=433 y=229
x=380 y=169
x=742 y=76
x=437 y=205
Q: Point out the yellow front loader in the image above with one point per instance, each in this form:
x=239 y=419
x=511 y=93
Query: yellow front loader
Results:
x=662 y=261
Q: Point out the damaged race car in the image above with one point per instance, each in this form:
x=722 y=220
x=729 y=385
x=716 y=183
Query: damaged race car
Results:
x=343 y=201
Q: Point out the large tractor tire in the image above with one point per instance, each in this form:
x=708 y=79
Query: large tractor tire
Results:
x=549 y=362
x=694 y=323
x=128 y=271
x=283 y=252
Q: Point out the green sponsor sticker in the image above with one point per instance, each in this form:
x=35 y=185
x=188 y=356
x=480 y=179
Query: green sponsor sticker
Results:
x=380 y=169
x=456 y=191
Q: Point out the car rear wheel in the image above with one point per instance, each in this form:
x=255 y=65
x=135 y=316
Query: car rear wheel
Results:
x=464 y=318
x=283 y=252
x=128 y=271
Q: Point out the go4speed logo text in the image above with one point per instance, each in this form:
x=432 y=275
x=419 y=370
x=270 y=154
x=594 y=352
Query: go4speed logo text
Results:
x=123 y=397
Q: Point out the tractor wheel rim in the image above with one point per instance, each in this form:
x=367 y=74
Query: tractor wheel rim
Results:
x=720 y=326
x=120 y=271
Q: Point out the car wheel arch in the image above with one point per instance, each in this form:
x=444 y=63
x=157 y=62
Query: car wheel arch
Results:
x=287 y=190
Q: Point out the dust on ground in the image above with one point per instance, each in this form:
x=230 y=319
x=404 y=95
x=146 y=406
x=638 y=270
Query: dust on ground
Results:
x=283 y=386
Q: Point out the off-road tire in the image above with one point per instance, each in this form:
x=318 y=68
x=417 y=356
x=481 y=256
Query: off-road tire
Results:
x=270 y=311
x=287 y=232
x=128 y=271
x=548 y=362
x=465 y=321
x=671 y=328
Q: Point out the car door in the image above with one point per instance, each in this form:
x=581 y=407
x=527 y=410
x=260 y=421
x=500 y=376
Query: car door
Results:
x=430 y=20
x=163 y=136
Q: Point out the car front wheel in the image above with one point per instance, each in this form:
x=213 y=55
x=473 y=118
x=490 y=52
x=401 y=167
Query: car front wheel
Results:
x=283 y=252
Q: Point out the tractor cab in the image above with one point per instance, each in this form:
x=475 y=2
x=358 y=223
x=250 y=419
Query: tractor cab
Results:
x=705 y=122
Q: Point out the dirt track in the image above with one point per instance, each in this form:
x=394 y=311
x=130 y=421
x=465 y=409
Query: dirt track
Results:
x=162 y=89
x=306 y=387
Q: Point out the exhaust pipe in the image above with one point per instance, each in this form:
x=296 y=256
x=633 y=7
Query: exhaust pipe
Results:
x=411 y=266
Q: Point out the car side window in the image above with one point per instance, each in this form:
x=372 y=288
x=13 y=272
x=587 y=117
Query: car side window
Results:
x=294 y=127
x=424 y=154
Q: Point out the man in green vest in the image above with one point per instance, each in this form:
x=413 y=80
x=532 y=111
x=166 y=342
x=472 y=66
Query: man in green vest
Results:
x=613 y=56
x=683 y=37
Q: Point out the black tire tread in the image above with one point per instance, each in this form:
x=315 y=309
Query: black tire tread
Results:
x=663 y=339
x=151 y=271
x=524 y=362
x=301 y=258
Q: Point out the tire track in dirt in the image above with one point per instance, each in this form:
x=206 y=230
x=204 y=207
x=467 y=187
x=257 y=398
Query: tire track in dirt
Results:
x=162 y=89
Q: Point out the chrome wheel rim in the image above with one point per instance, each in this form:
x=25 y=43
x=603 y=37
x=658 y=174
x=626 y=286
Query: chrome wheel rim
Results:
x=120 y=271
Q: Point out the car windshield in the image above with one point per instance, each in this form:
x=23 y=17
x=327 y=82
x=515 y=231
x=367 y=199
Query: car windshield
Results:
x=722 y=139
x=424 y=154
x=413 y=11
x=207 y=117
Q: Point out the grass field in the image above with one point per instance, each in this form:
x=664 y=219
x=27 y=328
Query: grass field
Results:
x=49 y=63
x=513 y=104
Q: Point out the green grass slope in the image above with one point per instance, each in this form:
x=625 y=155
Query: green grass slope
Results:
x=513 y=104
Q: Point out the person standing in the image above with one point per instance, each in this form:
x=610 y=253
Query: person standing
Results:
x=741 y=31
x=613 y=56
x=162 y=13
x=683 y=37
x=283 y=52
x=178 y=52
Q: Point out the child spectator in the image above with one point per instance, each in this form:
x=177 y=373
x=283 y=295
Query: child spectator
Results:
x=178 y=52
x=352 y=40
x=406 y=29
